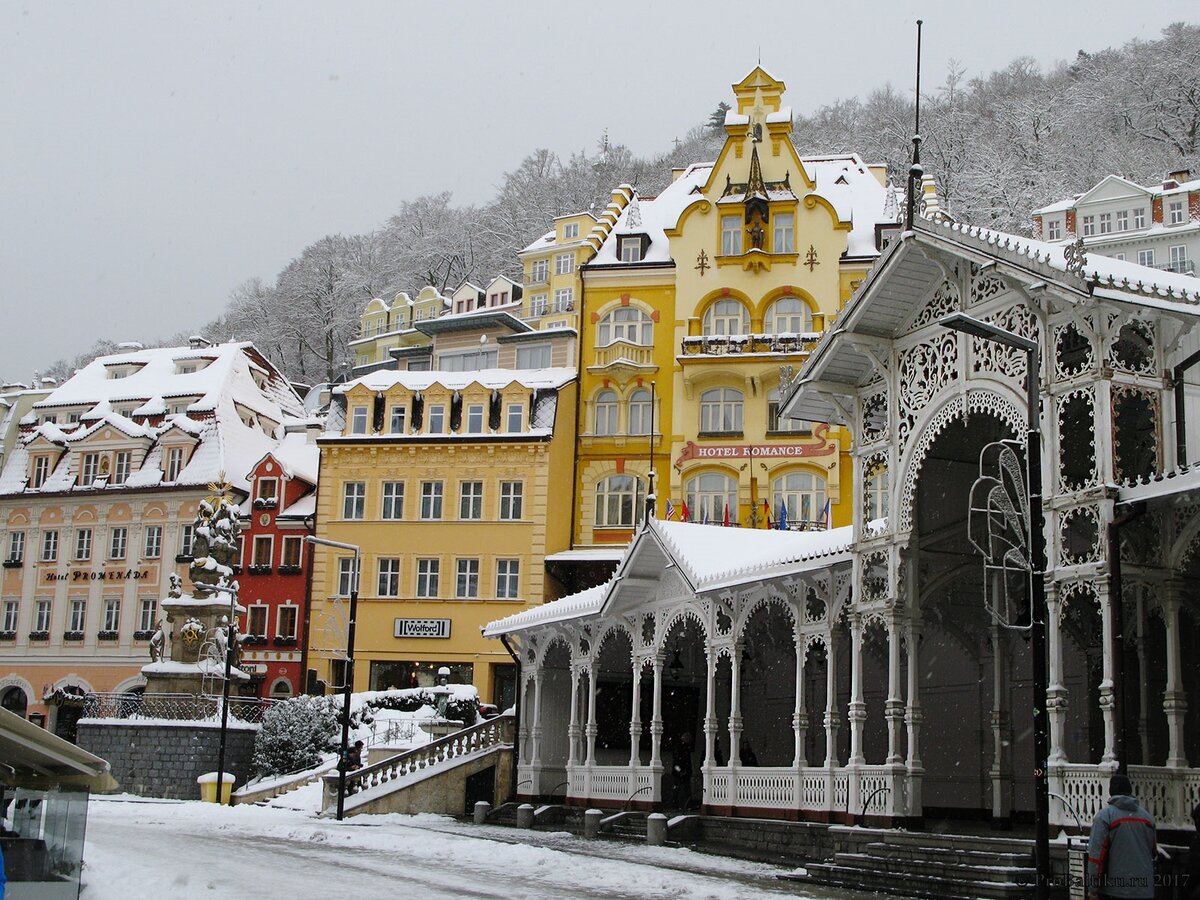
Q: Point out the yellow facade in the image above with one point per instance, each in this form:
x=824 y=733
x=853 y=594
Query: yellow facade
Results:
x=384 y=326
x=550 y=269
x=726 y=277
x=500 y=549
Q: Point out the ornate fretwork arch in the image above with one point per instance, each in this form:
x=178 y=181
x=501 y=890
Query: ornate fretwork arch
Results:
x=771 y=599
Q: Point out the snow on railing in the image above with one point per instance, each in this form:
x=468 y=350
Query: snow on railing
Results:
x=485 y=735
x=174 y=707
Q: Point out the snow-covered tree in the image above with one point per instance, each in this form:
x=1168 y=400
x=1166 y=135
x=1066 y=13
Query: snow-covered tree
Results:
x=295 y=733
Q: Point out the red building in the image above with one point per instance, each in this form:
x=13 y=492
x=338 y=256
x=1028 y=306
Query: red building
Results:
x=274 y=580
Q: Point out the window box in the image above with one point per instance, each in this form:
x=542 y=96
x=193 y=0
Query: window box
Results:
x=184 y=558
x=13 y=563
x=254 y=640
x=290 y=570
x=237 y=570
x=107 y=635
x=72 y=635
x=259 y=570
x=285 y=642
x=8 y=635
x=39 y=635
x=266 y=502
x=143 y=635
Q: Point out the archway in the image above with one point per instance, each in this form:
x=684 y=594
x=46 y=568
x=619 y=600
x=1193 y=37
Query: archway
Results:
x=684 y=702
x=15 y=701
x=768 y=687
x=614 y=698
x=553 y=716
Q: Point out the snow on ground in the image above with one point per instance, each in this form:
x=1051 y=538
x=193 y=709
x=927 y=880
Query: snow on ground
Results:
x=186 y=849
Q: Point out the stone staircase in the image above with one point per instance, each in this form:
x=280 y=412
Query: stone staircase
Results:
x=949 y=867
x=628 y=826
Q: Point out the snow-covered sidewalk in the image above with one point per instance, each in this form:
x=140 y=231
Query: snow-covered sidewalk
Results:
x=178 y=849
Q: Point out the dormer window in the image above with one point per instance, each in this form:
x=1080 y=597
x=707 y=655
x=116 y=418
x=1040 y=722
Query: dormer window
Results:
x=90 y=470
x=266 y=492
x=186 y=368
x=358 y=420
x=174 y=464
x=475 y=418
x=41 y=469
x=436 y=418
x=631 y=249
x=121 y=462
x=1054 y=230
x=570 y=231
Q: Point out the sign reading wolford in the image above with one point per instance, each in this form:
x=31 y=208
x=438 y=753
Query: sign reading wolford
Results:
x=422 y=628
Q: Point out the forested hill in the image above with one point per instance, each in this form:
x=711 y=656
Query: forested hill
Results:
x=998 y=145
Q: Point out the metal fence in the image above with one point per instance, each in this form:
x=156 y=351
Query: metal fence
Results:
x=175 y=707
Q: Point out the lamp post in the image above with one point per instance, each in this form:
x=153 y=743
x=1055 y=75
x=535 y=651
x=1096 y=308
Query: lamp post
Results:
x=1037 y=590
x=232 y=591
x=348 y=675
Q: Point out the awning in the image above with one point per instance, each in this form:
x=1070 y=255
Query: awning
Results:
x=29 y=750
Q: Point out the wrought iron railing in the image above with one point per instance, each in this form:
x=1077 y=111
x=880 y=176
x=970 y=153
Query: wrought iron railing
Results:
x=175 y=707
x=724 y=344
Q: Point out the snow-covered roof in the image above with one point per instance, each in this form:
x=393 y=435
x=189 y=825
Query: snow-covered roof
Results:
x=855 y=193
x=488 y=378
x=573 y=606
x=1182 y=481
x=227 y=388
x=1153 y=190
x=657 y=215
x=297 y=456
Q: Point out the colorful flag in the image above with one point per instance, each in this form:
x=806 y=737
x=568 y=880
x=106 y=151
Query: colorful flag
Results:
x=726 y=520
x=670 y=509
x=767 y=514
x=686 y=515
x=825 y=515
x=782 y=520
x=704 y=521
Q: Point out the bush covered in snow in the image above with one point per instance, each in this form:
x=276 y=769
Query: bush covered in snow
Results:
x=462 y=703
x=295 y=733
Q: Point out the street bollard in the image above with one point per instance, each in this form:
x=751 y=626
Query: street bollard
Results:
x=482 y=808
x=525 y=815
x=591 y=823
x=656 y=829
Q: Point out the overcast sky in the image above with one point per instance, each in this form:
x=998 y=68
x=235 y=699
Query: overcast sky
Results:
x=154 y=155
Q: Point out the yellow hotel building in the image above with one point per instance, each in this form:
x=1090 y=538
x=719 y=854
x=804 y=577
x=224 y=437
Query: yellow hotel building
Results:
x=455 y=486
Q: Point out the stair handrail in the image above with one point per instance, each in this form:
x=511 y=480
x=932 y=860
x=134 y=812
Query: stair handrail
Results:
x=629 y=799
x=482 y=735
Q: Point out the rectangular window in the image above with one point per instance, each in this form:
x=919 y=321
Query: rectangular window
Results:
x=507 y=578
x=512 y=495
x=153 y=547
x=435 y=419
x=41 y=621
x=1120 y=256
x=146 y=609
x=347 y=580
x=475 y=418
x=293 y=549
x=1106 y=223
x=285 y=625
x=267 y=489
x=78 y=615
x=50 y=545
x=784 y=233
x=564 y=264
x=631 y=249
x=1139 y=218
x=112 y=614
x=431 y=499
x=354 y=500
x=1179 y=260
x=11 y=608
x=428 y=574
x=256 y=620
x=466 y=584
x=185 y=541
x=515 y=417
x=537 y=305
x=470 y=500
x=1175 y=211
x=1122 y=220
x=564 y=299
x=41 y=468
x=1053 y=230
x=16 y=546
x=174 y=464
x=264 y=547
x=393 y=500
x=90 y=470
x=117 y=540
x=389 y=577
x=358 y=420
x=539 y=271
x=121 y=467
x=1145 y=257
x=83 y=543
x=398 y=419
x=731 y=235
x=1089 y=226
x=570 y=231
x=537 y=356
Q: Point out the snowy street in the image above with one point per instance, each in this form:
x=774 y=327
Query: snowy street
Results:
x=180 y=850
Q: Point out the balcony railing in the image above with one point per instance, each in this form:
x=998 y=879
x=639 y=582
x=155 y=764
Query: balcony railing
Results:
x=634 y=354
x=1180 y=267
x=730 y=344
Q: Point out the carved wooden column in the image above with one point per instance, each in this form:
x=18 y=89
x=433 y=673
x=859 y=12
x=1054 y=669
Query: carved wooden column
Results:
x=635 y=717
x=1056 y=692
x=573 y=727
x=1001 y=740
x=735 y=713
x=590 y=760
x=832 y=719
x=799 y=718
x=893 y=710
x=1174 y=697
x=858 y=709
x=535 y=731
x=1106 y=688
x=656 y=725
x=912 y=718
x=710 y=709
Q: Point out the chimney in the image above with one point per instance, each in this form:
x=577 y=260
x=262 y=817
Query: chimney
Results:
x=131 y=345
x=197 y=342
x=1176 y=178
x=676 y=172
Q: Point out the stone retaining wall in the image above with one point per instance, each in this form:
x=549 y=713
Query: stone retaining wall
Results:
x=165 y=760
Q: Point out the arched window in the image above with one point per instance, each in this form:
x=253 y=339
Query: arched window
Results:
x=626 y=323
x=14 y=700
x=803 y=496
x=721 y=411
x=709 y=495
x=606 y=413
x=726 y=317
x=281 y=689
x=618 y=501
x=788 y=315
x=640 y=412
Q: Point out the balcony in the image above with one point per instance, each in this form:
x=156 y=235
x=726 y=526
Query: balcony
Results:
x=623 y=358
x=739 y=344
x=1180 y=267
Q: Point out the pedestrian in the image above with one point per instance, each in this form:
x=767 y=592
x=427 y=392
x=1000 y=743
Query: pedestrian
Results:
x=354 y=757
x=1191 y=884
x=746 y=753
x=1122 y=848
x=3 y=876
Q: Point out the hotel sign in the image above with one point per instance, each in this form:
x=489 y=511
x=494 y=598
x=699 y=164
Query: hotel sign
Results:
x=422 y=628
x=822 y=447
x=105 y=575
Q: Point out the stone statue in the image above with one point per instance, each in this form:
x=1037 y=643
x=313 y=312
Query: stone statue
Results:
x=160 y=641
x=220 y=641
x=176 y=589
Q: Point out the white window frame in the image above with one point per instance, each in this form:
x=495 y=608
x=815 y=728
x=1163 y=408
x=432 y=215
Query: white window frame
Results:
x=512 y=500
x=606 y=410
x=360 y=417
x=41 y=471
x=89 y=468
x=290 y=541
x=186 y=539
x=1146 y=257
x=261 y=612
x=1106 y=223
x=721 y=411
x=397 y=416
x=625 y=323
x=1122 y=223
x=12 y=610
x=784 y=236
x=83 y=544
x=619 y=501
x=1177 y=210
x=630 y=249
x=570 y=231
x=429 y=573
x=1088 y=225
x=515 y=418
x=1177 y=257
x=466 y=578
x=112 y=614
x=436 y=412
x=476 y=418
x=641 y=412
x=803 y=494
x=731 y=235
x=564 y=263
x=388 y=582
x=77 y=620
x=147 y=608
x=49 y=545
x=508 y=579
x=118 y=542
x=564 y=299
x=432 y=497
x=785 y=314
x=263 y=492
x=539 y=271
x=1053 y=230
x=122 y=462
x=1139 y=217
x=354 y=500
x=346 y=576
x=725 y=317
x=263 y=540
x=16 y=546
x=43 y=614
x=535 y=356
x=392 y=501
x=470 y=501
x=708 y=494
x=152 y=545
x=287 y=630
x=538 y=306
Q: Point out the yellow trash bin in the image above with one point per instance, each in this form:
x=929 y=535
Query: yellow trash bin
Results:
x=208 y=787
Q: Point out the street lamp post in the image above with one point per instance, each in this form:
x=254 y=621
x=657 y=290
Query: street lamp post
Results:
x=232 y=591
x=348 y=675
x=1037 y=589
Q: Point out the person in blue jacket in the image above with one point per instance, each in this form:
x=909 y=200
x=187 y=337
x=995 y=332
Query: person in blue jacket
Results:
x=1122 y=847
x=3 y=877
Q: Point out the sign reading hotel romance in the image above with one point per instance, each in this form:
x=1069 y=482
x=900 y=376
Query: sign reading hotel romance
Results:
x=106 y=575
x=422 y=628
x=823 y=447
